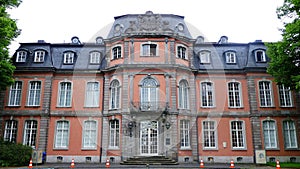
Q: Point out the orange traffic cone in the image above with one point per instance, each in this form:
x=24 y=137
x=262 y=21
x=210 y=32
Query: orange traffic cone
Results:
x=201 y=164
x=231 y=164
x=277 y=164
x=72 y=164
x=30 y=164
x=107 y=164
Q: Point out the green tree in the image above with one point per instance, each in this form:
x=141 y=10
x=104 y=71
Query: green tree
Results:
x=285 y=54
x=8 y=31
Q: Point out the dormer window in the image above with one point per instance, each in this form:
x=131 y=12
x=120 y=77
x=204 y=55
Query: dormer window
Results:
x=21 y=56
x=69 y=58
x=149 y=49
x=95 y=57
x=39 y=56
x=181 y=52
x=116 y=52
x=230 y=57
x=204 y=57
x=260 y=56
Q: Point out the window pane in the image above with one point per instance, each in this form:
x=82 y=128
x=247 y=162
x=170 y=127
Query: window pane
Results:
x=62 y=134
x=34 y=93
x=92 y=94
x=90 y=134
x=65 y=94
x=10 y=131
x=30 y=133
x=15 y=94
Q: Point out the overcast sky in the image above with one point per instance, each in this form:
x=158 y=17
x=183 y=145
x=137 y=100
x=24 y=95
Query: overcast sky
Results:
x=56 y=21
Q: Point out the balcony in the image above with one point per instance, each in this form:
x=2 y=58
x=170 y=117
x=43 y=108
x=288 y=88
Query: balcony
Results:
x=149 y=106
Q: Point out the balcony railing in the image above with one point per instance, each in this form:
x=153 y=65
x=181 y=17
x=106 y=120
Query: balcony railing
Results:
x=149 y=106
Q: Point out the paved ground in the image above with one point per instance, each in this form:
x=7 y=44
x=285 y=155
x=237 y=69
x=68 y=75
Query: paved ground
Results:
x=180 y=166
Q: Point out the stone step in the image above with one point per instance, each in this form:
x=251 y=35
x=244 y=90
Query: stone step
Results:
x=152 y=160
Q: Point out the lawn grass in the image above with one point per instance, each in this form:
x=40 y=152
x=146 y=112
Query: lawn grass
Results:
x=285 y=164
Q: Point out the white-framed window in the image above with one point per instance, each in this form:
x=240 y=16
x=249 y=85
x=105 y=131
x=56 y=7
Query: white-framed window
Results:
x=149 y=49
x=39 y=56
x=265 y=93
x=95 y=57
x=92 y=94
x=290 y=136
x=115 y=91
x=148 y=94
x=234 y=95
x=15 y=94
x=204 y=56
x=183 y=94
x=230 y=57
x=21 y=56
x=270 y=136
x=209 y=134
x=182 y=52
x=185 y=134
x=69 y=57
x=285 y=96
x=116 y=52
x=89 y=134
x=30 y=133
x=34 y=93
x=260 y=56
x=65 y=94
x=10 y=131
x=114 y=134
x=207 y=94
x=62 y=134
x=237 y=135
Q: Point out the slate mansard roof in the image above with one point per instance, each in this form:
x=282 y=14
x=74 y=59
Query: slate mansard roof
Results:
x=143 y=25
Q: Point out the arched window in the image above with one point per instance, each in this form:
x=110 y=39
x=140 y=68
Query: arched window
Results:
x=115 y=94
x=149 y=94
x=183 y=93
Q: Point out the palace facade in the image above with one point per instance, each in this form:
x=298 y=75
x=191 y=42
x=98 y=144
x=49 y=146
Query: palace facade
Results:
x=150 y=89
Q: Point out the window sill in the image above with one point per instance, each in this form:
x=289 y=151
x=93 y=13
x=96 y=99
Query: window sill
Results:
x=33 y=106
x=62 y=149
x=210 y=149
x=239 y=149
x=88 y=149
x=113 y=148
x=272 y=149
x=291 y=149
x=11 y=106
x=185 y=148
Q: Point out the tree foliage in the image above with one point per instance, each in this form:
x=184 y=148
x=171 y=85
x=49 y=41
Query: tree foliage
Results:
x=8 y=31
x=285 y=54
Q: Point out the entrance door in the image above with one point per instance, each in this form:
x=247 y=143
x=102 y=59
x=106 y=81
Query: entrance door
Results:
x=149 y=138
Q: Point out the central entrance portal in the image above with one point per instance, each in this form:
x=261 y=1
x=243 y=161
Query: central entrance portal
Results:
x=149 y=138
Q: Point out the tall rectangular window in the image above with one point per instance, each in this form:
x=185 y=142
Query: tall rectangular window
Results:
x=114 y=137
x=15 y=94
x=204 y=57
x=69 y=58
x=21 y=56
x=39 y=56
x=62 y=134
x=95 y=57
x=207 y=94
x=181 y=52
x=270 y=138
x=290 y=136
x=237 y=134
x=10 y=131
x=65 y=94
x=92 y=94
x=116 y=52
x=184 y=134
x=30 y=133
x=209 y=134
x=183 y=94
x=285 y=96
x=90 y=134
x=230 y=57
x=234 y=95
x=265 y=94
x=34 y=93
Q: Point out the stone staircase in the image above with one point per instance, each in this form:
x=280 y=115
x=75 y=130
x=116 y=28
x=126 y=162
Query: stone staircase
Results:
x=151 y=160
